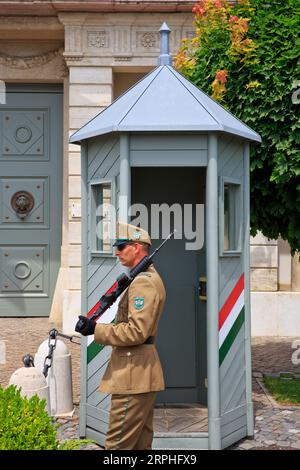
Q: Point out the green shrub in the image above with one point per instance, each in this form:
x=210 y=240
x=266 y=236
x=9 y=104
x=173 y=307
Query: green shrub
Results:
x=24 y=423
x=247 y=56
x=74 y=444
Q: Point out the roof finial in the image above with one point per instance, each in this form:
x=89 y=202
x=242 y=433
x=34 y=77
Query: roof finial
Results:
x=164 y=58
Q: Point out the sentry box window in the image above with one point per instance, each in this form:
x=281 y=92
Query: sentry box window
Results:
x=230 y=217
x=102 y=217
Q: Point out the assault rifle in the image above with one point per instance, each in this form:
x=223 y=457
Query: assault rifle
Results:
x=122 y=282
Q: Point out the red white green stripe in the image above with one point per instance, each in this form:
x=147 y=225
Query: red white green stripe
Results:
x=108 y=316
x=231 y=318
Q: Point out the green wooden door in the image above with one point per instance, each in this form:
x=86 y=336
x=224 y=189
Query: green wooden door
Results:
x=181 y=341
x=30 y=198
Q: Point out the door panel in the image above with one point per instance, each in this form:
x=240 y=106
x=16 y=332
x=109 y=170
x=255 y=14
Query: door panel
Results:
x=37 y=189
x=30 y=199
x=181 y=341
x=25 y=134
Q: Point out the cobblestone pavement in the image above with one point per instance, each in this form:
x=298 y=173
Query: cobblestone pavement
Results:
x=68 y=429
x=23 y=336
x=276 y=427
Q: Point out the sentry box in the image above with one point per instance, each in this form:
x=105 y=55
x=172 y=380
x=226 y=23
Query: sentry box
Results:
x=165 y=154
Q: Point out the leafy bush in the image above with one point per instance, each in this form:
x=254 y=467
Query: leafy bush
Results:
x=74 y=444
x=246 y=55
x=24 y=423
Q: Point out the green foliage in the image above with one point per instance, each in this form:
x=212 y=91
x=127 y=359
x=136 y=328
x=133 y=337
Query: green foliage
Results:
x=256 y=84
x=24 y=423
x=285 y=391
x=74 y=444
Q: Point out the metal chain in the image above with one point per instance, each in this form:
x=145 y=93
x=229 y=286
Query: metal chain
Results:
x=53 y=334
x=70 y=338
x=52 y=345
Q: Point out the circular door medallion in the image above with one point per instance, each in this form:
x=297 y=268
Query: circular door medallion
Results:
x=22 y=203
x=22 y=270
x=23 y=134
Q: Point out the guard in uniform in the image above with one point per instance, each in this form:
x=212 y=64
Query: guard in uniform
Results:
x=134 y=373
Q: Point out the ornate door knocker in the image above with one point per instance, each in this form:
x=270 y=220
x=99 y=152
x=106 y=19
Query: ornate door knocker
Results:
x=22 y=203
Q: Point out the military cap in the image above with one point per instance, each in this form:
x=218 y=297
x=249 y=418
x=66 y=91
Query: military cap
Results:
x=127 y=233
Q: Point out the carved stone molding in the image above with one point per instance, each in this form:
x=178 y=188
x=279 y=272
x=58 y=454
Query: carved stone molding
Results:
x=108 y=38
x=190 y=34
x=123 y=58
x=73 y=56
x=63 y=70
x=148 y=40
x=98 y=39
x=29 y=62
x=119 y=41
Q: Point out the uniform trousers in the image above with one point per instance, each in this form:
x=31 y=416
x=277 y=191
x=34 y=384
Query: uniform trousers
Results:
x=131 y=422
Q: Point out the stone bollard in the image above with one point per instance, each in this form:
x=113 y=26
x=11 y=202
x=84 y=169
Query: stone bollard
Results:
x=59 y=377
x=31 y=381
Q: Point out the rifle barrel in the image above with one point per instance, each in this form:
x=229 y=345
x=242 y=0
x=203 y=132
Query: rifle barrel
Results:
x=159 y=247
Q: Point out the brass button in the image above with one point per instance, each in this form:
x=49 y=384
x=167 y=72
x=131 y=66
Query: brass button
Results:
x=129 y=353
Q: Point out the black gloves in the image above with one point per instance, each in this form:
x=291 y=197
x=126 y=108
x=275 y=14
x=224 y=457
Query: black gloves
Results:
x=85 y=326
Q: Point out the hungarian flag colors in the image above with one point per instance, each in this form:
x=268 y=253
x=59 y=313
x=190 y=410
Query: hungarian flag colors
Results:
x=231 y=318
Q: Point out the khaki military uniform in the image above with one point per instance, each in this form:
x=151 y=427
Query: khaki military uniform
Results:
x=134 y=373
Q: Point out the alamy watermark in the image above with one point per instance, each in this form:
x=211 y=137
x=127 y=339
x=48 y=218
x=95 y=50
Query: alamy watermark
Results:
x=296 y=354
x=2 y=92
x=187 y=219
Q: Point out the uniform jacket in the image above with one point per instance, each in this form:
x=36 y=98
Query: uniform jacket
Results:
x=134 y=367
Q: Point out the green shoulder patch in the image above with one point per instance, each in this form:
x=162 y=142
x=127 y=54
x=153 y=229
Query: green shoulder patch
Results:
x=139 y=302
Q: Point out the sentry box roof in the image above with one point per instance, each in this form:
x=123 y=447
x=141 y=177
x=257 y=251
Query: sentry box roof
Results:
x=164 y=101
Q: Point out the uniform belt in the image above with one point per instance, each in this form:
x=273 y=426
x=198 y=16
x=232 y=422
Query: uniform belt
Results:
x=150 y=340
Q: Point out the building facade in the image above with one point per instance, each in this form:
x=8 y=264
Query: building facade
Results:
x=61 y=63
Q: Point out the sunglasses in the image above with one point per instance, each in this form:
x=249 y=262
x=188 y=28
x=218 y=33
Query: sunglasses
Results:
x=121 y=247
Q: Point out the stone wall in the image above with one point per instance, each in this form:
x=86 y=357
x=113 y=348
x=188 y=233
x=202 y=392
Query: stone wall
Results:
x=97 y=57
x=105 y=55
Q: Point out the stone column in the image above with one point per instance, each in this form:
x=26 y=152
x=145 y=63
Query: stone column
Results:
x=90 y=91
x=296 y=273
x=264 y=264
x=284 y=265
